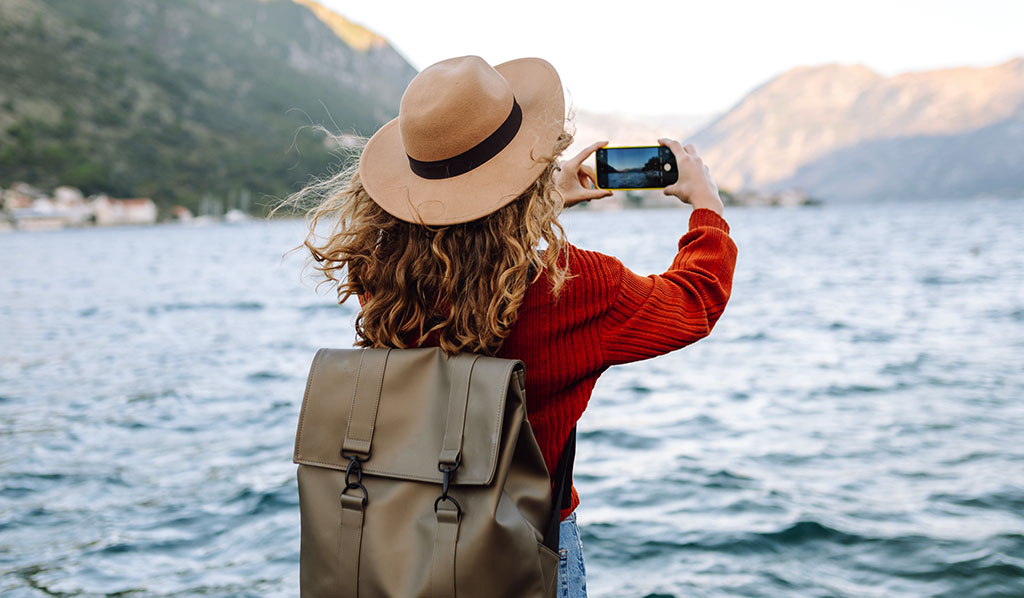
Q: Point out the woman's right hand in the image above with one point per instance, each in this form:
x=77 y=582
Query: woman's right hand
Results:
x=576 y=181
x=695 y=185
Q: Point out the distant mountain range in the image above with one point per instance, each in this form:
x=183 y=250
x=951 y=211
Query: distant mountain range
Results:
x=631 y=129
x=179 y=99
x=846 y=132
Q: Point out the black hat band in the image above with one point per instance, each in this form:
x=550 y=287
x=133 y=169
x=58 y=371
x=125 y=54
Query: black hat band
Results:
x=474 y=156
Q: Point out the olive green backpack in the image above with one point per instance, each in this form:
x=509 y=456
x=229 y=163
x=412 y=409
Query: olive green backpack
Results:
x=419 y=477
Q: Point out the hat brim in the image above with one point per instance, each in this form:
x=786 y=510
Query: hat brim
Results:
x=386 y=175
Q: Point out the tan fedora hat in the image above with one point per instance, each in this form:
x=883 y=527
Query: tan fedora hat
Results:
x=465 y=139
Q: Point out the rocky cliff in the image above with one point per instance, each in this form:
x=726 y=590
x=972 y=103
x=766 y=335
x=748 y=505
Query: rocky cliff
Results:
x=846 y=132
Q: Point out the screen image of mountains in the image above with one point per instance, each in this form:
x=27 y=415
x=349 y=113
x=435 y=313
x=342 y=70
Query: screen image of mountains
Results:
x=633 y=167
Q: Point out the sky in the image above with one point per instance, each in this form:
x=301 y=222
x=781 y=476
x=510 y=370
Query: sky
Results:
x=624 y=159
x=674 y=57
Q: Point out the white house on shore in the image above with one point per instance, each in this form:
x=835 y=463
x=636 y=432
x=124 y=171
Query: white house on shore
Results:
x=72 y=206
x=25 y=207
x=109 y=211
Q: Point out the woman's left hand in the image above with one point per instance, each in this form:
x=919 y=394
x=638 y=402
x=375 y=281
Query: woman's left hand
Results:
x=577 y=182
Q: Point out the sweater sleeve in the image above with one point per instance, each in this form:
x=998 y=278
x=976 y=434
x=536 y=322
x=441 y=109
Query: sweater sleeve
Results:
x=655 y=314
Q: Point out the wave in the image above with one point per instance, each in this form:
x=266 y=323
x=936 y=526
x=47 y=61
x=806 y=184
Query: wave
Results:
x=620 y=439
x=1005 y=499
x=798 y=533
x=263 y=376
x=842 y=390
x=808 y=530
x=315 y=307
x=234 y=306
x=282 y=498
x=940 y=279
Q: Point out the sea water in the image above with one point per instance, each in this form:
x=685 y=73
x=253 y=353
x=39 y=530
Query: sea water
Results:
x=853 y=426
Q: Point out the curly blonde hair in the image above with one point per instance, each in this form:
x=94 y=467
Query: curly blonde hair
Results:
x=466 y=281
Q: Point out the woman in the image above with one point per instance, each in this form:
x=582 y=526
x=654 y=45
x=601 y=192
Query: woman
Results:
x=439 y=231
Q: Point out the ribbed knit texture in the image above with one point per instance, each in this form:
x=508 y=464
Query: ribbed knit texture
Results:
x=609 y=315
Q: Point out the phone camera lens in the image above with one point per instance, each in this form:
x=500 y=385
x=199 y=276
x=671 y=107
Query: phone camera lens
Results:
x=668 y=167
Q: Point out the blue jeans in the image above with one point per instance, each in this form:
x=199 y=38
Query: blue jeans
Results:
x=572 y=576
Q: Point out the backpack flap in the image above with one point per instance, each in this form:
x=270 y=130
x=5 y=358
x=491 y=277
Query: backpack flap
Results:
x=413 y=409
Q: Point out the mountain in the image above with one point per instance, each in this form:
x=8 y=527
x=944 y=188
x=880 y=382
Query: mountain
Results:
x=846 y=132
x=177 y=100
x=632 y=129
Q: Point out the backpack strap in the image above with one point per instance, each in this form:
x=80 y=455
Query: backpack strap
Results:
x=449 y=512
x=442 y=567
x=562 y=498
x=349 y=543
x=365 y=398
x=358 y=438
x=451 y=448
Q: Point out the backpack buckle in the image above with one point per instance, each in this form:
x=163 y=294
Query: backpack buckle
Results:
x=448 y=470
x=355 y=466
x=354 y=457
x=458 y=507
x=359 y=486
x=441 y=466
x=445 y=480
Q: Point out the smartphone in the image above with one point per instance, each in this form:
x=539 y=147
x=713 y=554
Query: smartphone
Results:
x=642 y=167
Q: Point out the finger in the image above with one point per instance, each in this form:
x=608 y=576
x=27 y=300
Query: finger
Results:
x=583 y=179
x=578 y=159
x=589 y=173
x=688 y=148
x=677 y=149
x=595 y=193
x=672 y=144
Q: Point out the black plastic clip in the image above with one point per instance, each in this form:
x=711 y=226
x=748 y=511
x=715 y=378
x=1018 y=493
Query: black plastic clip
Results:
x=355 y=467
x=458 y=461
x=447 y=470
x=458 y=507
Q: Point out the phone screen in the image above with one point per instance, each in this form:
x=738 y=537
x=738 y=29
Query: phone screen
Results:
x=644 y=167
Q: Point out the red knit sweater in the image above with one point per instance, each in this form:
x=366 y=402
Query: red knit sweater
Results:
x=609 y=315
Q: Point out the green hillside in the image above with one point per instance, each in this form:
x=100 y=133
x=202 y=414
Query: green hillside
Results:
x=174 y=100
